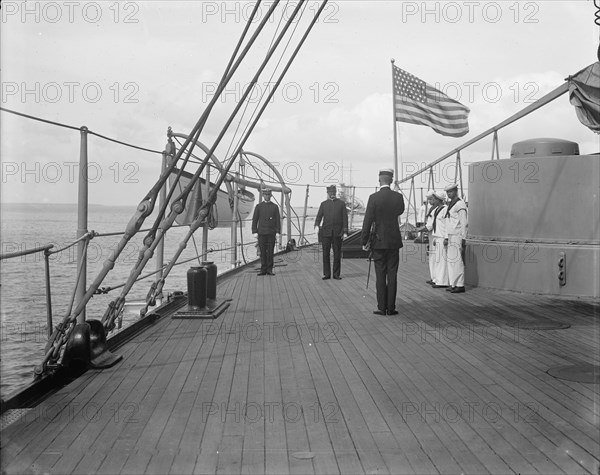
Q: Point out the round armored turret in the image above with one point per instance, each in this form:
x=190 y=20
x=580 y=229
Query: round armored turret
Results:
x=533 y=220
x=543 y=147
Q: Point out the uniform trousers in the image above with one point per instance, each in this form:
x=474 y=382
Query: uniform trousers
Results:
x=456 y=266
x=386 y=277
x=431 y=254
x=266 y=245
x=329 y=242
x=437 y=262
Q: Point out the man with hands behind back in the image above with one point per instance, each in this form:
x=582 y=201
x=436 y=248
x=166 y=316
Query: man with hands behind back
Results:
x=384 y=208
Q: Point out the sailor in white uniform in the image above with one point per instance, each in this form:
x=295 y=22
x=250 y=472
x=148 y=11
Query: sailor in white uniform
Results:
x=434 y=225
x=438 y=233
x=456 y=232
x=426 y=222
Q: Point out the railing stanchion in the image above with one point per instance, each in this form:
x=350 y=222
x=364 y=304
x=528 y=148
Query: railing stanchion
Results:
x=162 y=197
x=48 y=294
x=82 y=222
x=302 y=238
x=234 y=222
x=288 y=212
x=352 y=208
x=205 y=225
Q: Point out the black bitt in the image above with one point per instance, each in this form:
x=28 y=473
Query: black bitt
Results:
x=197 y=287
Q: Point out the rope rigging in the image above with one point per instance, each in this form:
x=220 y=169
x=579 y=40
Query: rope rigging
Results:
x=177 y=193
x=146 y=207
x=195 y=134
x=212 y=197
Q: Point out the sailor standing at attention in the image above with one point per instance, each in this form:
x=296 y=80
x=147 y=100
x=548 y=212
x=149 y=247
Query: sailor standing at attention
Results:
x=435 y=225
x=425 y=225
x=334 y=214
x=266 y=223
x=456 y=230
x=384 y=208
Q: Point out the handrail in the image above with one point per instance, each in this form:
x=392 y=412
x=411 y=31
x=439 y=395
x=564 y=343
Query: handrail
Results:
x=72 y=127
x=559 y=91
x=10 y=255
x=46 y=250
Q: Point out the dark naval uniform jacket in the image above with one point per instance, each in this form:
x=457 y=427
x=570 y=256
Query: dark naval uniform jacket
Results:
x=334 y=216
x=265 y=219
x=384 y=207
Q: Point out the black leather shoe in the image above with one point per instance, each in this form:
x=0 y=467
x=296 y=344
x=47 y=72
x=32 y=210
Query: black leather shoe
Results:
x=338 y=278
x=262 y=273
x=270 y=273
x=325 y=277
x=435 y=286
x=457 y=290
x=392 y=312
x=449 y=289
x=379 y=312
x=430 y=282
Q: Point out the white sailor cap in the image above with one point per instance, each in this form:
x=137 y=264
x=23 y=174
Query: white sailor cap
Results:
x=440 y=194
x=451 y=187
x=386 y=171
x=430 y=193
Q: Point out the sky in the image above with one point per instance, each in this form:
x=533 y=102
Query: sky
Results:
x=130 y=70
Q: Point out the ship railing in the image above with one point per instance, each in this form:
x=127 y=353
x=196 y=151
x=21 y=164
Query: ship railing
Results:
x=456 y=152
x=46 y=251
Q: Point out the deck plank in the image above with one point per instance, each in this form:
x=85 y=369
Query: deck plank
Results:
x=214 y=409
x=235 y=415
x=318 y=439
x=276 y=461
x=329 y=408
x=253 y=453
x=294 y=410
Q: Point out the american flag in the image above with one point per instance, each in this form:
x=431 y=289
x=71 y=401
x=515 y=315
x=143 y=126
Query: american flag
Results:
x=416 y=102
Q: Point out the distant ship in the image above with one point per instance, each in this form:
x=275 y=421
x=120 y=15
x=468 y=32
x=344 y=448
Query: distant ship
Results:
x=353 y=203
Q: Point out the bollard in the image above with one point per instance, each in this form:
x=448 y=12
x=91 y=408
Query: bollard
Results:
x=211 y=286
x=197 y=280
x=202 y=294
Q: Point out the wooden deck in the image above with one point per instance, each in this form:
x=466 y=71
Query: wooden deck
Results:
x=299 y=376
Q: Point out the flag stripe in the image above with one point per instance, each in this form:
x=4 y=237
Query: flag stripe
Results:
x=416 y=102
x=448 y=131
x=444 y=130
x=415 y=115
x=453 y=115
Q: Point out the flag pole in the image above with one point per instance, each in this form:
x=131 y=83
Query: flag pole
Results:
x=397 y=177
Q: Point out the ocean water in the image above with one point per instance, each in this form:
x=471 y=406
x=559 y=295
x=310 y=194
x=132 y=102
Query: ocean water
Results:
x=23 y=315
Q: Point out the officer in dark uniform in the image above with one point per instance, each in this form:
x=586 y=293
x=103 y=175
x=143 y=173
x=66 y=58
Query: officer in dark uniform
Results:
x=384 y=208
x=266 y=223
x=334 y=214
